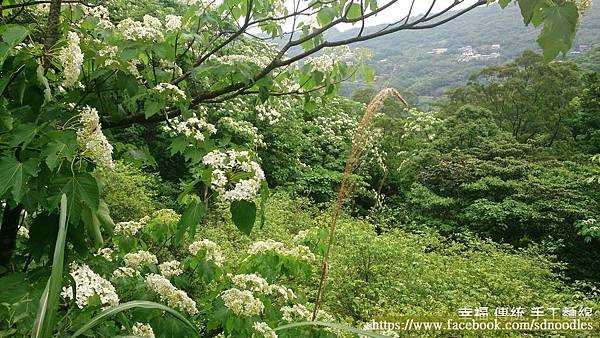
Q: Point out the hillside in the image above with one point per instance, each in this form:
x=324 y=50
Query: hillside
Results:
x=428 y=62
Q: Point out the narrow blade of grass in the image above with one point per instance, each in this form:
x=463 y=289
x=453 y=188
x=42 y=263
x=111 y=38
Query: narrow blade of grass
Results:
x=44 y=321
x=129 y=305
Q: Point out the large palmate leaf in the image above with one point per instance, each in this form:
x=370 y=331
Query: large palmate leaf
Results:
x=14 y=175
x=243 y=214
x=189 y=220
x=80 y=188
x=560 y=24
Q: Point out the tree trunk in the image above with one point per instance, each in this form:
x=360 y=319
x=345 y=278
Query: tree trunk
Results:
x=52 y=28
x=8 y=233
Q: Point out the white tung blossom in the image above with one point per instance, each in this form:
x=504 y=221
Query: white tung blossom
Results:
x=295 y=312
x=106 y=253
x=23 y=232
x=71 y=58
x=129 y=228
x=135 y=260
x=173 y=23
x=225 y=165
x=149 y=29
x=300 y=252
x=264 y=330
x=170 y=268
x=168 y=293
x=252 y=282
x=109 y=53
x=242 y=303
x=172 y=93
x=255 y=283
x=142 y=330
x=193 y=127
x=88 y=284
x=213 y=251
x=91 y=139
x=125 y=272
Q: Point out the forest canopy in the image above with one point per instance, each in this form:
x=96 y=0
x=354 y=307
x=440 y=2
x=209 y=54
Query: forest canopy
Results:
x=194 y=158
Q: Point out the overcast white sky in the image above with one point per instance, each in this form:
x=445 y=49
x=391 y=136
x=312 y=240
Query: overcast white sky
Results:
x=400 y=9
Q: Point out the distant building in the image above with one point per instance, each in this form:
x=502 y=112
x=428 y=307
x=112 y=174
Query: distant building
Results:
x=438 y=51
x=495 y=46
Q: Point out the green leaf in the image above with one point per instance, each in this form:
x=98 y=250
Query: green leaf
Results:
x=354 y=12
x=560 y=24
x=243 y=214
x=80 y=188
x=65 y=147
x=503 y=3
x=11 y=35
x=264 y=198
x=368 y=73
x=189 y=220
x=130 y=305
x=325 y=16
x=528 y=7
x=14 y=34
x=152 y=107
x=92 y=225
x=22 y=134
x=48 y=307
x=14 y=175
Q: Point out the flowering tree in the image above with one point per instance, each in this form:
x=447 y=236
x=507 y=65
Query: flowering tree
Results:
x=68 y=71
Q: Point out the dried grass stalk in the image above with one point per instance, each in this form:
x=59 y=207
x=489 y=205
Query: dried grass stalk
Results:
x=359 y=142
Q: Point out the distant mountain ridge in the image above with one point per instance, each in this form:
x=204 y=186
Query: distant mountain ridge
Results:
x=428 y=62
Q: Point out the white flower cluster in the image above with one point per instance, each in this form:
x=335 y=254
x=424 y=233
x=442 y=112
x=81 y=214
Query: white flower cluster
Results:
x=236 y=59
x=170 y=268
x=242 y=303
x=256 y=283
x=213 y=250
x=335 y=129
x=92 y=140
x=172 y=92
x=135 y=260
x=233 y=162
x=100 y=12
x=109 y=53
x=149 y=29
x=125 y=272
x=242 y=129
x=325 y=63
x=106 y=253
x=168 y=293
x=23 y=232
x=425 y=122
x=193 y=127
x=264 y=330
x=173 y=23
x=295 y=312
x=167 y=65
x=88 y=283
x=166 y=216
x=71 y=58
x=129 y=228
x=300 y=252
x=252 y=282
x=301 y=235
x=202 y=3
x=268 y=114
x=142 y=330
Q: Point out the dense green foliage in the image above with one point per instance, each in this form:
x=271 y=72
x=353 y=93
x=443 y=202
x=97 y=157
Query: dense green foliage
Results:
x=167 y=171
